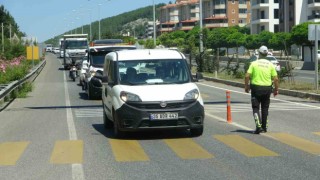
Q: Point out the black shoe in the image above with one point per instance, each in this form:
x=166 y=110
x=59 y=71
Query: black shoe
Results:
x=264 y=130
x=258 y=131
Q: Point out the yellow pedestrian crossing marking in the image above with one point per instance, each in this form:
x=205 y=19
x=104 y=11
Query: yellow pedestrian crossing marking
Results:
x=10 y=152
x=317 y=133
x=188 y=149
x=67 y=152
x=244 y=146
x=128 y=150
x=297 y=142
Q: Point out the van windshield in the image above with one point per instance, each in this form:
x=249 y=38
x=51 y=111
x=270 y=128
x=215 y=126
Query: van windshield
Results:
x=139 y=72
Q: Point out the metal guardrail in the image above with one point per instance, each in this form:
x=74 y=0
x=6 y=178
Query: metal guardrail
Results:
x=6 y=90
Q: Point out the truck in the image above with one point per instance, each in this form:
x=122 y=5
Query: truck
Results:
x=49 y=48
x=74 y=49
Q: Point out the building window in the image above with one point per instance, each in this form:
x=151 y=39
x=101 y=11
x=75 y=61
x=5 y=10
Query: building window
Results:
x=233 y=21
x=243 y=11
x=233 y=11
x=262 y=15
x=242 y=2
x=232 y=1
x=220 y=2
x=262 y=28
x=276 y=28
x=276 y=13
x=276 y=1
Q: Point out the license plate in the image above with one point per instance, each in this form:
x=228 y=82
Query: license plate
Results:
x=156 y=116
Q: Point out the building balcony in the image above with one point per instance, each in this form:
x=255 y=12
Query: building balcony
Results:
x=314 y=17
x=220 y=6
x=243 y=6
x=260 y=21
x=313 y=1
x=194 y=10
x=260 y=6
x=257 y=2
x=243 y=16
x=314 y=5
x=215 y=25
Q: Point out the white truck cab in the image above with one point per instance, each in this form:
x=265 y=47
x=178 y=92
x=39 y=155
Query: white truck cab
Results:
x=148 y=89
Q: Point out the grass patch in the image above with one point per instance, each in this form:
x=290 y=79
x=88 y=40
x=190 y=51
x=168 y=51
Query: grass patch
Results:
x=24 y=90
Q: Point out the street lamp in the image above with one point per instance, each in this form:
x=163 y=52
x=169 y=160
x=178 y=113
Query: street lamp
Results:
x=154 y=24
x=200 y=19
x=99 y=21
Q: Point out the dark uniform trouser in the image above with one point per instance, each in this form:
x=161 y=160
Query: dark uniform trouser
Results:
x=260 y=95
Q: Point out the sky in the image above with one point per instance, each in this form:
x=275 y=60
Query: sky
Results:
x=44 y=19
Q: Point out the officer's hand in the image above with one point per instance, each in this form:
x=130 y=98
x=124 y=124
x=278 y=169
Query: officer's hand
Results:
x=247 y=89
x=275 y=92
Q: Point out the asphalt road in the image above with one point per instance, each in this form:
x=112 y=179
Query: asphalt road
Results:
x=57 y=133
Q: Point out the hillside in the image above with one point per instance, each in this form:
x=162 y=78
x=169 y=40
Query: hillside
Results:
x=7 y=20
x=113 y=27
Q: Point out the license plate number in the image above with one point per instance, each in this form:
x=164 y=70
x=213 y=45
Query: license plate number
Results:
x=157 y=116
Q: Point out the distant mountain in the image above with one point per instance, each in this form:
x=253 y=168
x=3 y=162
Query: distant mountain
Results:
x=113 y=27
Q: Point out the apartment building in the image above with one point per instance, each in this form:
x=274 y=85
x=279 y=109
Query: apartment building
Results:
x=184 y=14
x=294 y=12
x=265 y=16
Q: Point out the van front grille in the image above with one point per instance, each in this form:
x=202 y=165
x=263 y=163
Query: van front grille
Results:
x=156 y=105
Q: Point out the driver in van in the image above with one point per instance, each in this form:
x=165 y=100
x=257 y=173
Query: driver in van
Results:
x=131 y=75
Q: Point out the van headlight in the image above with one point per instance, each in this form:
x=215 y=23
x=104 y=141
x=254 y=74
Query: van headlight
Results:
x=192 y=95
x=126 y=96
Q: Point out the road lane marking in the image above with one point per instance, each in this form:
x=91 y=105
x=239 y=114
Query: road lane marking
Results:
x=187 y=149
x=88 y=112
x=297 y=142
x=244 y=146
x=67 y=152
x=317 y=133
x=127 y=150
x=10 y=152
x=77 y=169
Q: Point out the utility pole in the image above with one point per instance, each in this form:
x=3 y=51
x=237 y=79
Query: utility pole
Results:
x=201 y=35
x=154 y=25
x=2 y=37
x=10 y=33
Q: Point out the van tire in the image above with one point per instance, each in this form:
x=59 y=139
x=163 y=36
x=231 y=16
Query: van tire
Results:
x=107 y=124
x=196 y=132
x=90 y=95
x=116 y=129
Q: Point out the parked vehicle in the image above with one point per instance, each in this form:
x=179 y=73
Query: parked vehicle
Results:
x=150 y=89
x=96 y=57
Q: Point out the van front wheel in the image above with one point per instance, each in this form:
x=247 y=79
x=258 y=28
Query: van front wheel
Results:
x=116 y=129
x=106 y=121
x=196 y=132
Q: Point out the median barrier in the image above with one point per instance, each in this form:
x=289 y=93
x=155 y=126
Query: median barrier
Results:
x=294 y=93
x=7 y=90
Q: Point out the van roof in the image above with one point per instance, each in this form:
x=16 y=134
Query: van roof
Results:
x=140 y=54
x=110 y=47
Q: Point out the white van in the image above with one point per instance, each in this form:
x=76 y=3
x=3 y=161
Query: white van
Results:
x=148 y=89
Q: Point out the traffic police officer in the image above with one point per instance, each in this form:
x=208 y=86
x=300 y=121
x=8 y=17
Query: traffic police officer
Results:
x=261 y=74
